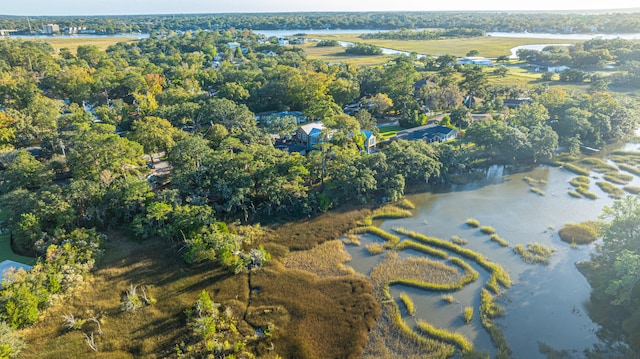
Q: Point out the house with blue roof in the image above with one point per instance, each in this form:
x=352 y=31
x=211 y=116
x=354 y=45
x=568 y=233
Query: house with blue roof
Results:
x=315 y=133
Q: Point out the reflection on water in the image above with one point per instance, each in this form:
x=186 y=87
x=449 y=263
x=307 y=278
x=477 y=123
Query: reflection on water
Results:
x=545 y=303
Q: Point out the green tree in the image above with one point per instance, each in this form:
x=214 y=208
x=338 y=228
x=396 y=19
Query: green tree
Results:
x=154 y=134
x=23 y=171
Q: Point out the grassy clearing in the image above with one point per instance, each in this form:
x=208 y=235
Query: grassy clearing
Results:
x=580 y=181
x=501 y=241
x=611 y=190
x=598 y=165
x=390 y=238
x=487 y=45
x=537 y=191
x=408 y=303
x=632 y=189
x=576 y=169
x=408 y=244
x=473 y=223
x=630 y=169
x=374 y=248
x=618 y=178
x=459 y=241
x=487 y=230
x=390 y=212
x=534 y=253
x=499 y=277
x=586 y=193
x=325 y=260
x=581 y=233
x=387 y=132
x=456 y=339
x=72 y=43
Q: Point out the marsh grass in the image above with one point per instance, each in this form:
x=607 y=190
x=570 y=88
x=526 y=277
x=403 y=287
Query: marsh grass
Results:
x=574 y=194
x=456 y=339
x=448 y=298
x=374 y=248
x=537 y=191
x=489 y=311
x=459 y=241
x=473 y=223
x=325 y=260
x=586 y=193
x=581 y=233
x=499 y=277
x=406 y=204
x=626 y=159
x=576 y=169
x=580 y=181
x=617 y=177
x=467 y=314
x=351 y=238
x=611 y=190
x=598 y=165
x=390 y=212
x=534 y=253
x=408 y=244
x=533 y=181
x=487 y=230
x=501 y=241
x=408 y=303
x=631 y=169
x=390 y=238
x=632 y=189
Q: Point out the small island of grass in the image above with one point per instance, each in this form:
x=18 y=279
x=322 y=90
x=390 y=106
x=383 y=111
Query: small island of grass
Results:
x=581 y=233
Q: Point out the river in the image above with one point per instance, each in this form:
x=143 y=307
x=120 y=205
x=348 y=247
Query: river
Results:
x=545 y=303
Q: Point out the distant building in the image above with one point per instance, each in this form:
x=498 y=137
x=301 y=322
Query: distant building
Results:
x=233 y=45
x=547 y=67
x=517 y=102
x=429 y=133
x=50 y=29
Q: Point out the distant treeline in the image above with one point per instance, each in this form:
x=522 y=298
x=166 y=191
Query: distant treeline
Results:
x=621 y=22
x=406 y=34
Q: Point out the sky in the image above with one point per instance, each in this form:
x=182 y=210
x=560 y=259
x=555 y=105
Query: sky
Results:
x=122 y=7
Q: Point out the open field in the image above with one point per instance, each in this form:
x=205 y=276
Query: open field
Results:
x=486 y=45
x=336 y=54
x=72 y=43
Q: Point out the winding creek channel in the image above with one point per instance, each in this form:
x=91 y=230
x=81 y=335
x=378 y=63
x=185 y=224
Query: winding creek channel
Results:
x=546 y=303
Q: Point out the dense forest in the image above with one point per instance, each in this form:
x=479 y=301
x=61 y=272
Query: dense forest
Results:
x=610 y=23
x=82 y=132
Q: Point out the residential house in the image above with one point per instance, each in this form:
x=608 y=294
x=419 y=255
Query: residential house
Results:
x=429 y=133
x=310 y=135
x=475 y=60
x=283 y=41
x=369 y=141
x=517 y=102
x=233 y=45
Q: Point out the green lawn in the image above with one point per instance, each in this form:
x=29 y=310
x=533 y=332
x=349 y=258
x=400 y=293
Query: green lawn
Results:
x=388 y=132
x=7 y=253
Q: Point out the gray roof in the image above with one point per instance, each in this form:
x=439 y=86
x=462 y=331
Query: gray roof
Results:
x=424 y=132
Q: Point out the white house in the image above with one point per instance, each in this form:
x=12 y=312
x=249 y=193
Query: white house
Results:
x=475 y=60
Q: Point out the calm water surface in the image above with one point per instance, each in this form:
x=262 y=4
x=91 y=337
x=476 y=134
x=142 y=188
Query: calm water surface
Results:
x=545 y=303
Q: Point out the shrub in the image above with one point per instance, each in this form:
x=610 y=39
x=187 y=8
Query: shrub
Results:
x=487 y=230
x=472 y=222
x=496 y=238
x=582 y=233
x=467 y=315
x=408 y=303
x=374 y=248
x=576 y=169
